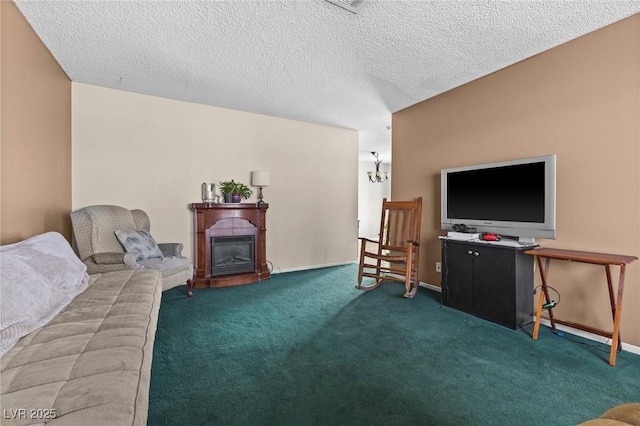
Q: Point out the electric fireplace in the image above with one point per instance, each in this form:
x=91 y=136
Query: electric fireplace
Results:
x=230 y=244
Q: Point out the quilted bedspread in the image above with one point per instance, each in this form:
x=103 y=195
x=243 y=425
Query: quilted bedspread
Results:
x=91 y=363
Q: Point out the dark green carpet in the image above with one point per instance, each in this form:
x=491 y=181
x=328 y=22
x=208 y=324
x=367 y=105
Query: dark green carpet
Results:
x=306 y=348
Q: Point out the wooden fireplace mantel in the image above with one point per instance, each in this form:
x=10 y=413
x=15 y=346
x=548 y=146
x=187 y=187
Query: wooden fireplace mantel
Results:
x=239 y=216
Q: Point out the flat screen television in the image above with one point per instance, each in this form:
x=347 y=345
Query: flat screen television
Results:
x=514 y=198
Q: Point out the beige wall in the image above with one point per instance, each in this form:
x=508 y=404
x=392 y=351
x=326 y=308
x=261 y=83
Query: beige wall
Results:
x=580 y=101
x=153 y=153
x=35 y=151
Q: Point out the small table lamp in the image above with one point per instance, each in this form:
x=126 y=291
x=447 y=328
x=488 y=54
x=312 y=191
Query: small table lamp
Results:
x=260 y=179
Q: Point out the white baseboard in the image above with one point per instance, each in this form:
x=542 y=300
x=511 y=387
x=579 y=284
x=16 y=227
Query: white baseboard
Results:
x=565 y=329
x=305 y=268
x=430 y=286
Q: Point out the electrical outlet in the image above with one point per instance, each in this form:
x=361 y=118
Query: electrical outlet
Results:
x=438 y=267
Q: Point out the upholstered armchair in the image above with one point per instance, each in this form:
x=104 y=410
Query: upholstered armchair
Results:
x=111 y=238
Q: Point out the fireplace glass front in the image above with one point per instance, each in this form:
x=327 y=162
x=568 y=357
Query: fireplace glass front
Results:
x=232 y=255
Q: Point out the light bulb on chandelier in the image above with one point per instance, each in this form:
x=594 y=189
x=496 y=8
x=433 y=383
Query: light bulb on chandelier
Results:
x=377 y=176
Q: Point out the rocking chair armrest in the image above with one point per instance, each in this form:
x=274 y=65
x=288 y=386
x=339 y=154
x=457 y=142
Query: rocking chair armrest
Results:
x=399 y=248
x=368 y=240
x=415 y=243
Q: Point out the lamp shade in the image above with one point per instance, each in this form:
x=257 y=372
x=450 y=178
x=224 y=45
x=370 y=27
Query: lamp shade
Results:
x=260 y=178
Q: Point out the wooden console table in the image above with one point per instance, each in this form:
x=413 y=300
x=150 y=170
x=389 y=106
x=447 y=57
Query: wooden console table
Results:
x=215 y=219
x=584 y=257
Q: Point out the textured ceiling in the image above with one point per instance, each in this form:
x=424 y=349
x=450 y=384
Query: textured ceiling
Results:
x=307 y=60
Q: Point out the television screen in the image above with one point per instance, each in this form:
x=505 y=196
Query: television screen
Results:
x=510 y=193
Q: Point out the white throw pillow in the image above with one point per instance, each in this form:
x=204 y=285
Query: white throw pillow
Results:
x=139 y=243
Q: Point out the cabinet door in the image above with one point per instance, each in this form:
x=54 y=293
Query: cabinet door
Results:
x=494 y=285
x=457 y=282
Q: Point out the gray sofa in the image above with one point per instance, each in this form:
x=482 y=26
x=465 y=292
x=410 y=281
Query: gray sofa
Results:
x=91 y=362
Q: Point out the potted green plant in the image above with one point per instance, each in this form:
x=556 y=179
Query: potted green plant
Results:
x=226 y=188
x=234 y=192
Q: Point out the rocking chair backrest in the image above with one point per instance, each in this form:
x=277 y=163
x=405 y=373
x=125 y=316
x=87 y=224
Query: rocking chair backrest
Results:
x=400 y=222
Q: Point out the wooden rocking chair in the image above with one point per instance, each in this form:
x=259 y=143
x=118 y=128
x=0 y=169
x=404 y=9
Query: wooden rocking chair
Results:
x=397 y=254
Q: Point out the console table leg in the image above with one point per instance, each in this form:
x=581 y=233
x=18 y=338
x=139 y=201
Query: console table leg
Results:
x=545 y=288
x=616 y=346
x=612 y=300
x=544 y=295
x=536 y=326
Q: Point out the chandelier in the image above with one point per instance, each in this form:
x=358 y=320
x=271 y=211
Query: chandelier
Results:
x=377 y=176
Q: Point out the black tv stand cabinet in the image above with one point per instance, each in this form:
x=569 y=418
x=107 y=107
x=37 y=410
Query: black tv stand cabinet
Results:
x=493 y=282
